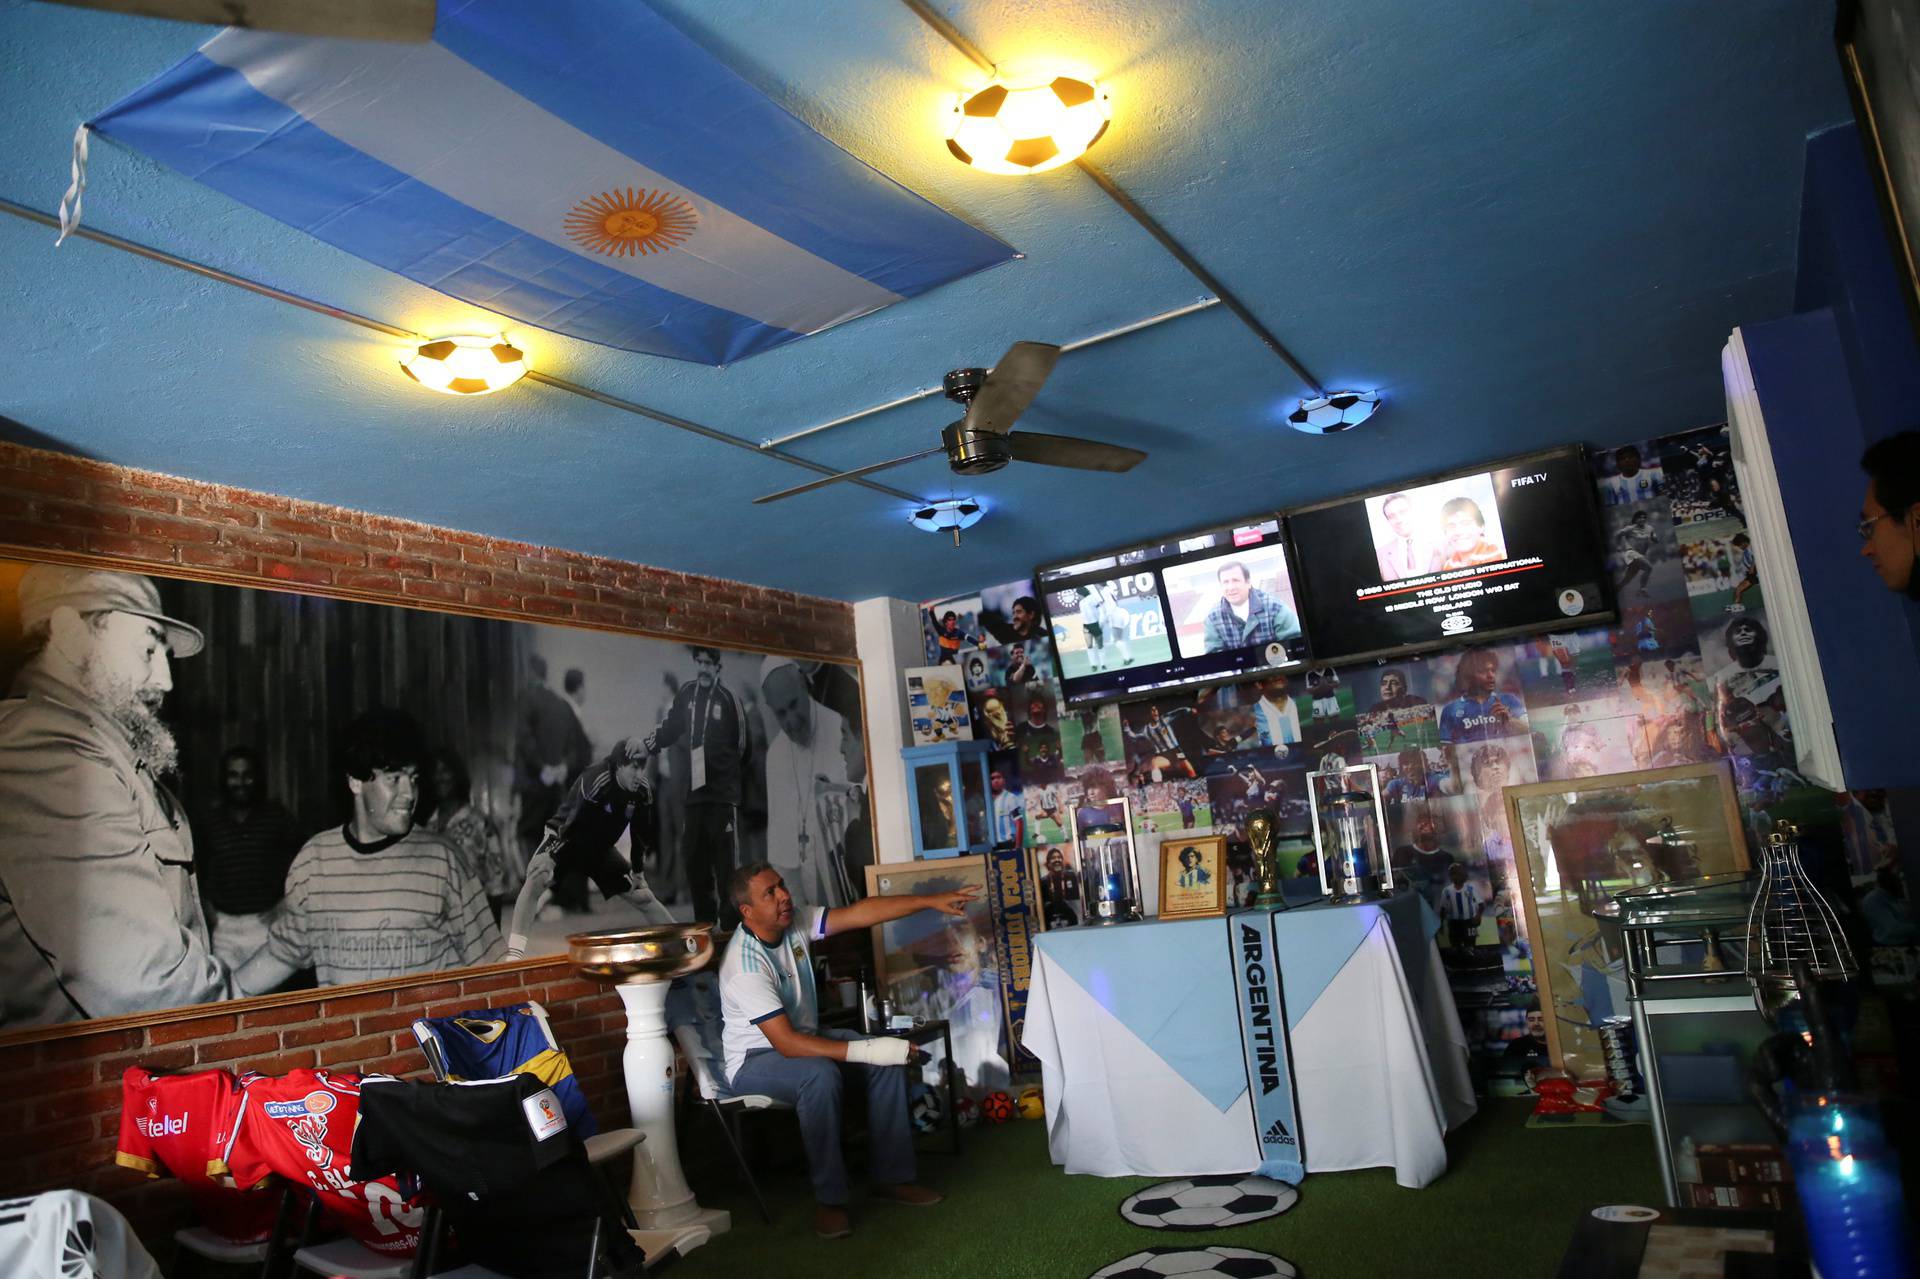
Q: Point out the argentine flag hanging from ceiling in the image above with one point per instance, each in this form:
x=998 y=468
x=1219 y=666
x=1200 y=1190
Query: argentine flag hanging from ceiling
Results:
x=579 y=165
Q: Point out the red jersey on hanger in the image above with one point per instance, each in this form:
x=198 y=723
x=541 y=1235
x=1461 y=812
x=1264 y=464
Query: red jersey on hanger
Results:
x=181 y=1124
x=300 y=1125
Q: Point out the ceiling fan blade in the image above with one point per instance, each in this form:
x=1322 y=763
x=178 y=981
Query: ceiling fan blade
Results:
x=347 y=19
x=1065 y=450
x=1011 y=386
x=825 y=480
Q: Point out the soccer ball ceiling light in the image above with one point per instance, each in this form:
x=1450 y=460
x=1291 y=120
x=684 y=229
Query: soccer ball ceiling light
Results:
x=465 y=364
x=1005 y=128
x=949 y=515
x=1338 y=411
x=953 y=513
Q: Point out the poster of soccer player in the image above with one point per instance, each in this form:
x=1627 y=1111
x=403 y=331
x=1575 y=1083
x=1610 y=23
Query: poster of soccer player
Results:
x=932 y=965
x=211 y=791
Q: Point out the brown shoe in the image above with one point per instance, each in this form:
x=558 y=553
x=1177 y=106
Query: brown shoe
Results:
x=831 y=1222
x=909 y=1194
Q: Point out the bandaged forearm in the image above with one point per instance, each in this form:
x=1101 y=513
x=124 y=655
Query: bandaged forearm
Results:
x=879 y=1052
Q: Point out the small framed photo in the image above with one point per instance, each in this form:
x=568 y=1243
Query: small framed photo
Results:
x=1193 y=877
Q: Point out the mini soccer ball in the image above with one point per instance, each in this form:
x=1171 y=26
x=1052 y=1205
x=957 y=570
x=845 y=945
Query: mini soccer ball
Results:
x=465 y=364
x=1006 y=128
x=1328 y=414
x=1031 y=1104
x=998 y=1108
x=966 y=1112
x=925 y=1107
x=1208 y=1203
x=1198 y=1263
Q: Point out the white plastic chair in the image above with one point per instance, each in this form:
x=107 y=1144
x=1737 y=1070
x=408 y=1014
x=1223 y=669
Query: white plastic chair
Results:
x=350 y=1259
x=725 y=1106
x=204 y=1245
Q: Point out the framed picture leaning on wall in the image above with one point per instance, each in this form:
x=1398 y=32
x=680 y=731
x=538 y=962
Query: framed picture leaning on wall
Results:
x=1578 y=842
x=932 y=965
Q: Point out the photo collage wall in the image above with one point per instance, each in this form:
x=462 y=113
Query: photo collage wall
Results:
x=1687 y=674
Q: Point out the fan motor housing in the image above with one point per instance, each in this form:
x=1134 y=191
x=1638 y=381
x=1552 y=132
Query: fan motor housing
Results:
x=975 y=452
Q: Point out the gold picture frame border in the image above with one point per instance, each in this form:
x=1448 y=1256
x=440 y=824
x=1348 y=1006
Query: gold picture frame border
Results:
x=1168 y=862
x=1524 y=855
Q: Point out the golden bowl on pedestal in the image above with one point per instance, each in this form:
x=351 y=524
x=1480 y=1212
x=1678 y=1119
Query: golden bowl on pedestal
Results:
x=659 y=952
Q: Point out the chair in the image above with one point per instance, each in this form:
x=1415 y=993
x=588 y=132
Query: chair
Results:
x=534 y=1207
x=202 y=1244
x=337 y=1258
x=455 y=1053
x=725 y=1106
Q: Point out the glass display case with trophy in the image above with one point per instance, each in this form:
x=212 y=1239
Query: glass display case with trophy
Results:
x=1349 y=824
x=1104 y=857
x=948 y=795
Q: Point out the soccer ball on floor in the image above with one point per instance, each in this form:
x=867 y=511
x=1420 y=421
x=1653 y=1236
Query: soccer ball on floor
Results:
x=926 y=1108
x=1030 y=1104
x=967 y=1111
x=997 y=1108
x=1197 y=1263
x=1208 y=1203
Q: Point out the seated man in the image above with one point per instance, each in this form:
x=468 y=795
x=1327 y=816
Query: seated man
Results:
x=775 y=1047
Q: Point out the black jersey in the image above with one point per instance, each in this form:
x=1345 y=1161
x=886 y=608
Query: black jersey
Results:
x=500 y=1159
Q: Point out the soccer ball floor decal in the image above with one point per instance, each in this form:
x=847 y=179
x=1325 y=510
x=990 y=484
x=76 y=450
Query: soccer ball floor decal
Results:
x=1208 y=1203
x=1197 y=1263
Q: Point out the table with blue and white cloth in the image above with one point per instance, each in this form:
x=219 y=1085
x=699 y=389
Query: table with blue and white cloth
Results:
x=1139 y=1038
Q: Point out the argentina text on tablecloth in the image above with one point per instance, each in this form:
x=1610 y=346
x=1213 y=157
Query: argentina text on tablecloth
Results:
x=1263 y=1038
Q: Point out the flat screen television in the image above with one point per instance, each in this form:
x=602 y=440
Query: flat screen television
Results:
x=1211 y=606
x=1509 y=548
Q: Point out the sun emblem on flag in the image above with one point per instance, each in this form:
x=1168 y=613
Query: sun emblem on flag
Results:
x=622 y=223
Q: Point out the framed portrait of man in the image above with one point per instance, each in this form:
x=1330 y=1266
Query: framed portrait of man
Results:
x=1193 y=877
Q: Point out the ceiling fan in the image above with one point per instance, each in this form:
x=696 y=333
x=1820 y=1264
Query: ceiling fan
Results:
x=349 y=19
x=983 y=441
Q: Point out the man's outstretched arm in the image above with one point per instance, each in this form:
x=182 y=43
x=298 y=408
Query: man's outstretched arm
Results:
x=880 y=910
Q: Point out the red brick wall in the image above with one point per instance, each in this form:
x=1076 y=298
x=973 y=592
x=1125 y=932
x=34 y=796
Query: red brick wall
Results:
x=59 y=1098
x=52 y=502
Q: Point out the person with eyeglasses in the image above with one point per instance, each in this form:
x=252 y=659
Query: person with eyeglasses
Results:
x=376 y=896
x=1889 y=525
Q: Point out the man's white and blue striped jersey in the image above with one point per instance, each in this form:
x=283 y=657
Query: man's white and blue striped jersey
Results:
x=758 y=981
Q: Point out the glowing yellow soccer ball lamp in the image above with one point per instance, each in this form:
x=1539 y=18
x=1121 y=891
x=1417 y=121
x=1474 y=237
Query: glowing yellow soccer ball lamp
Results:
x=1031 y=128
x=466 y=364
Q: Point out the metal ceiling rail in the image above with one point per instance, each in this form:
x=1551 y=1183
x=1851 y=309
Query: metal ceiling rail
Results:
x=1113 y=191
x=31 y=214
x=926 y=391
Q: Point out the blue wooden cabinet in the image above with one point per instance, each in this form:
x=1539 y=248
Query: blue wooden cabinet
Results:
x=949 y=798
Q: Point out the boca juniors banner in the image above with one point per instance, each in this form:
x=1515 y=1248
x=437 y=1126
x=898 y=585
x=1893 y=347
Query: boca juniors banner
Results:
x=1010 y=893
x=1263 y=1038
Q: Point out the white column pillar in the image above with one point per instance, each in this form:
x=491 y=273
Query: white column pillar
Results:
x=887 y=636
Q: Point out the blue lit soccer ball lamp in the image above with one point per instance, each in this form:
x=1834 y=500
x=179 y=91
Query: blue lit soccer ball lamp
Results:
x=948 y=514
x=1334 y=412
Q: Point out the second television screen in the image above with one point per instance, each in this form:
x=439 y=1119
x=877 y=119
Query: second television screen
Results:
x=1212 y=605
x=1501 y=551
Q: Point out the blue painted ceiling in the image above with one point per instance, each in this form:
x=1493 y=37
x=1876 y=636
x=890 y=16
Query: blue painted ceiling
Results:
x=1527 y=223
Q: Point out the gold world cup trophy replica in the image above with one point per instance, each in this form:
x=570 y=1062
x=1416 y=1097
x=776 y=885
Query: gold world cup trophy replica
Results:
x=1266 y=861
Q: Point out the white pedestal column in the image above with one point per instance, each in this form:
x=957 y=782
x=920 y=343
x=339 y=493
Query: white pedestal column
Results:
x=663 y=1205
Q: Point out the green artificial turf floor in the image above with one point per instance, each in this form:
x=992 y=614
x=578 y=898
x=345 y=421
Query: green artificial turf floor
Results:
x=1506 y=1207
